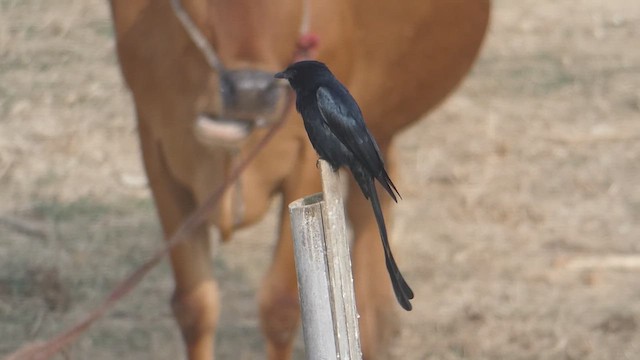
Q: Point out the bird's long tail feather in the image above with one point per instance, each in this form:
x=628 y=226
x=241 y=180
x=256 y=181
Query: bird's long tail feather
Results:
x=400 y=287
x=388 y=185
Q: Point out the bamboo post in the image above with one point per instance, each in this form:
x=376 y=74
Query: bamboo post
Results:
x=313 y=279
x=325 y=282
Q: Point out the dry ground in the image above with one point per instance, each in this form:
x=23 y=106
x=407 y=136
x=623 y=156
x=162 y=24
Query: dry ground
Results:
x=519 y=230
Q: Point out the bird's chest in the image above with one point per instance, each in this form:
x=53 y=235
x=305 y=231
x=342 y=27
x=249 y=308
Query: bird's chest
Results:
x=326 y=144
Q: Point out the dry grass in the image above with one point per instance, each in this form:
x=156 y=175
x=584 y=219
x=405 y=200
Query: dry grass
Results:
x=519 y=229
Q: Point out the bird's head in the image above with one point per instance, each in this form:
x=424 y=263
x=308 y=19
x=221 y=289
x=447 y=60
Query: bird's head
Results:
x=305 y=74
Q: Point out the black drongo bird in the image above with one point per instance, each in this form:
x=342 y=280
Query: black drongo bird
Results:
x=338 y=133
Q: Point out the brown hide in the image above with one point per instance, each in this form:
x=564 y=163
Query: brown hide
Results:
x=398 y=58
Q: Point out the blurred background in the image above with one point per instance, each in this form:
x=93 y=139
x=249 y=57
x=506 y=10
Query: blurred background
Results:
x=519 y=228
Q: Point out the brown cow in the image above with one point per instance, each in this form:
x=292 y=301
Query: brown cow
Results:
x=398 y=58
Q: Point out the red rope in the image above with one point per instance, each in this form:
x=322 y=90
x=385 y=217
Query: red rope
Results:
x=306 y=47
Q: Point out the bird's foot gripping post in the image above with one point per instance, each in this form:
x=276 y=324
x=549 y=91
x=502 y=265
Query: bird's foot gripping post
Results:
x=325 y=281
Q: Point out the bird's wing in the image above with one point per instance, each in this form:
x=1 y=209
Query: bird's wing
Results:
x=343 y=117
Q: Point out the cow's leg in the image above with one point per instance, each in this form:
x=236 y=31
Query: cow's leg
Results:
x=279 y=305
x=374 y=296
x=195 y=300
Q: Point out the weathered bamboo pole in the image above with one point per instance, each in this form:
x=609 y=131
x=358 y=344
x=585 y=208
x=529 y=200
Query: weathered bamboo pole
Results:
x=325 y=282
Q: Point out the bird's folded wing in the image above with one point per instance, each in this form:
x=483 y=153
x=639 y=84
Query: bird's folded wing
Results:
x=344 y=119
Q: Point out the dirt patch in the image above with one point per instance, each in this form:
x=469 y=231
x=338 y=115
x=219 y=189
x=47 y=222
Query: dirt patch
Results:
x=519 y=231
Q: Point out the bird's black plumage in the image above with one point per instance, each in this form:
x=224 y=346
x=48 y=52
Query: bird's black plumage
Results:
x=338 y=133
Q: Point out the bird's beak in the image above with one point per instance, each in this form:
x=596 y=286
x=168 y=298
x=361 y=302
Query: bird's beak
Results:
x=281 y=75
